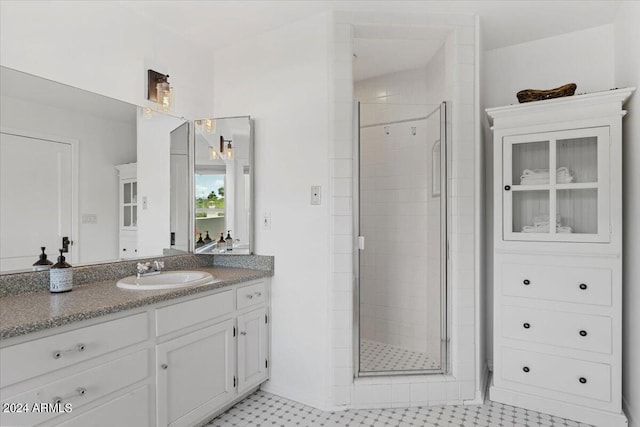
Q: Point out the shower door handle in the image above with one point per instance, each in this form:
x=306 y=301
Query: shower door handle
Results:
x=361 y=243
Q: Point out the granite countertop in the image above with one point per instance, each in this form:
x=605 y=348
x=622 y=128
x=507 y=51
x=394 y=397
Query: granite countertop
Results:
x=31 y=312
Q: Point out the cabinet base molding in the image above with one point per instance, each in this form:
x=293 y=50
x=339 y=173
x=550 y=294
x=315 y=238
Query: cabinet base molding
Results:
x=559 y=409
x=228 y=406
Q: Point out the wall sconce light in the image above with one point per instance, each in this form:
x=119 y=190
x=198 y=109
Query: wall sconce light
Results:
x=229 y=147
x=159 y=90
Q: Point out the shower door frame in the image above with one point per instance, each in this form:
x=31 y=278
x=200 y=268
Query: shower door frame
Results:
x=445 y=300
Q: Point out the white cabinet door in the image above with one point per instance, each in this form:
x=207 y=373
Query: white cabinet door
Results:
x=252 y=349
x=555 y=186
x=195 y=374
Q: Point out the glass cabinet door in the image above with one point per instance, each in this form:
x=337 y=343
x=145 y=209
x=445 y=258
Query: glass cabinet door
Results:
x=129 y=204
x=555 y=186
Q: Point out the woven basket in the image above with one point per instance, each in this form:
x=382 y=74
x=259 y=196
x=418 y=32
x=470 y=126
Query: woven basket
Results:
x=529 y=95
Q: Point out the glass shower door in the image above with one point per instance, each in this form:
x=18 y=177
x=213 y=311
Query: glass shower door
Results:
x=401 y=263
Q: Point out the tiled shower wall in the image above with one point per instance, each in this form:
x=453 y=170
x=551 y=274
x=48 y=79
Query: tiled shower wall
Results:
x=399 y=217
x=465 y=381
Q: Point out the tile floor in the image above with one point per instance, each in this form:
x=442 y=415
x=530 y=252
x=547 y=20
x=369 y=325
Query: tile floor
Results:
x=265 y=409
x=377 y=356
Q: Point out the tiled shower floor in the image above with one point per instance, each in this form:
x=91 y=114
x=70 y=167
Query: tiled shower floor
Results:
x=264 y=409
x=376 y=356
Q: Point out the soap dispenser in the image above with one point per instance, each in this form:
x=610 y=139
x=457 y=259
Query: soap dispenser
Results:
x=43 y=263
x=207 y=239
x=222 y=244
x=229 y=241
x=61 y=275
x=199 y=242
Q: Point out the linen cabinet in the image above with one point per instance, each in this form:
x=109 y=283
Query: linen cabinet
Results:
x=557 y=289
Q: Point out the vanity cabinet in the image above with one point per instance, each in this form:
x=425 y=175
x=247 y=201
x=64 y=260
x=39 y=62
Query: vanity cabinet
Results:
x=557 y=291
x=128 y=210
x=175 y=363
x=196 y=374
x=73 y=370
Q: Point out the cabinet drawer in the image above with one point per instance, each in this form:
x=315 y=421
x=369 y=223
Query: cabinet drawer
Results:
x=580 y=331
x=131 y=409
x=251 y=295
x=562 y=374
x=182 y=315
x=81 y=388
x=582 y=285
x=33 y=358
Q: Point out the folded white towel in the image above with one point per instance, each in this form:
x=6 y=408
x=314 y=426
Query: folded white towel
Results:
x=541 y=176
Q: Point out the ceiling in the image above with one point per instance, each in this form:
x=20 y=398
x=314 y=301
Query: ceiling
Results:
x=218 y=24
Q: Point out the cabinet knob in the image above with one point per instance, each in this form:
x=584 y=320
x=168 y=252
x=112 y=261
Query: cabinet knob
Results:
x=583 y=333
x=583 y=286
x=243 y=332
x=526 y=369
x=81 y=391
x=249 y=296
x=526 y=282
x=57 y=354
x=56 y=400
x=164 y=366
x=258 y=294
x=526 y=325
x=507 y=187
x=582 y=380
x=81 y=347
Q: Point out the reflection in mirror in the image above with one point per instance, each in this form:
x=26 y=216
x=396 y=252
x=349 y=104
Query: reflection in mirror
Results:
x=85 y=168
x=223 y=185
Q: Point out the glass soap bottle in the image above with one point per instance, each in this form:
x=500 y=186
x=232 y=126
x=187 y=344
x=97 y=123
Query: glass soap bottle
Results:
x=222 y=244
x=60 y=275
x=43 y=263
x=229 y=241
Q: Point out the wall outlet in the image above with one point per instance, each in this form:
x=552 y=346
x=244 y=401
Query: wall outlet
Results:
x=266 y=221
x=315 y=195
x=145 y=204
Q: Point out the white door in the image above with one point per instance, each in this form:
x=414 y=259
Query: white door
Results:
x=252 y=349
x=195 y=374
x=36 y=198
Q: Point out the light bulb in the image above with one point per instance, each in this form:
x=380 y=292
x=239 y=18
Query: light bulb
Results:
x=163 y=91
x=209 y=126
x=229 y=151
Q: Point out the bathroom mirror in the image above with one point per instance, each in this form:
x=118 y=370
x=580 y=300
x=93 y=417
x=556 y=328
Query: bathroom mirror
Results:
x=88 y=170
x=223 y=185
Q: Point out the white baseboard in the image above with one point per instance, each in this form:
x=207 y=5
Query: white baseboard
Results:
x=569 y=411
x=296 y=396
x=632 y=416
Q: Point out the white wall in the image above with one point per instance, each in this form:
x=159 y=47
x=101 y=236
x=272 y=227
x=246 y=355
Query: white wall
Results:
x=103 y=143
x=78 y=43
x=583 y=57
x=280 y=79
x=627 y=73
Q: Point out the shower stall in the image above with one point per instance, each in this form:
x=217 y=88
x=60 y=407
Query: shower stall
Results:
x=401 y=304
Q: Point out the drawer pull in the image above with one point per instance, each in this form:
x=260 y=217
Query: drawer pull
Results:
x=526 y=369
x=164 y=366
x=80 y=391
x=249 y=296
x=258 y=294
x=57 y=354
x=583 y=333
x=507 y=187
x=526 y=325
x=583 y=286
x=243 y=332
x=526 y=282
x=582 y=380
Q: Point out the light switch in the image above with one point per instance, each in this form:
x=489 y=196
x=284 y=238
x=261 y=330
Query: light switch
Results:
x=315 y=194
x=266 y=221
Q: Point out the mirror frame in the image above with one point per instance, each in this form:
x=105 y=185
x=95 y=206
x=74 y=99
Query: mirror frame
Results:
x=192 y=184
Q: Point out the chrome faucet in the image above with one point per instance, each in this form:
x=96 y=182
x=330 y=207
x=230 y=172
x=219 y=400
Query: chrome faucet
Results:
x=149 y=269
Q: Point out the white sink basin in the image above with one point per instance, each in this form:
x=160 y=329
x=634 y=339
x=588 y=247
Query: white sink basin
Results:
x=166 y=280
